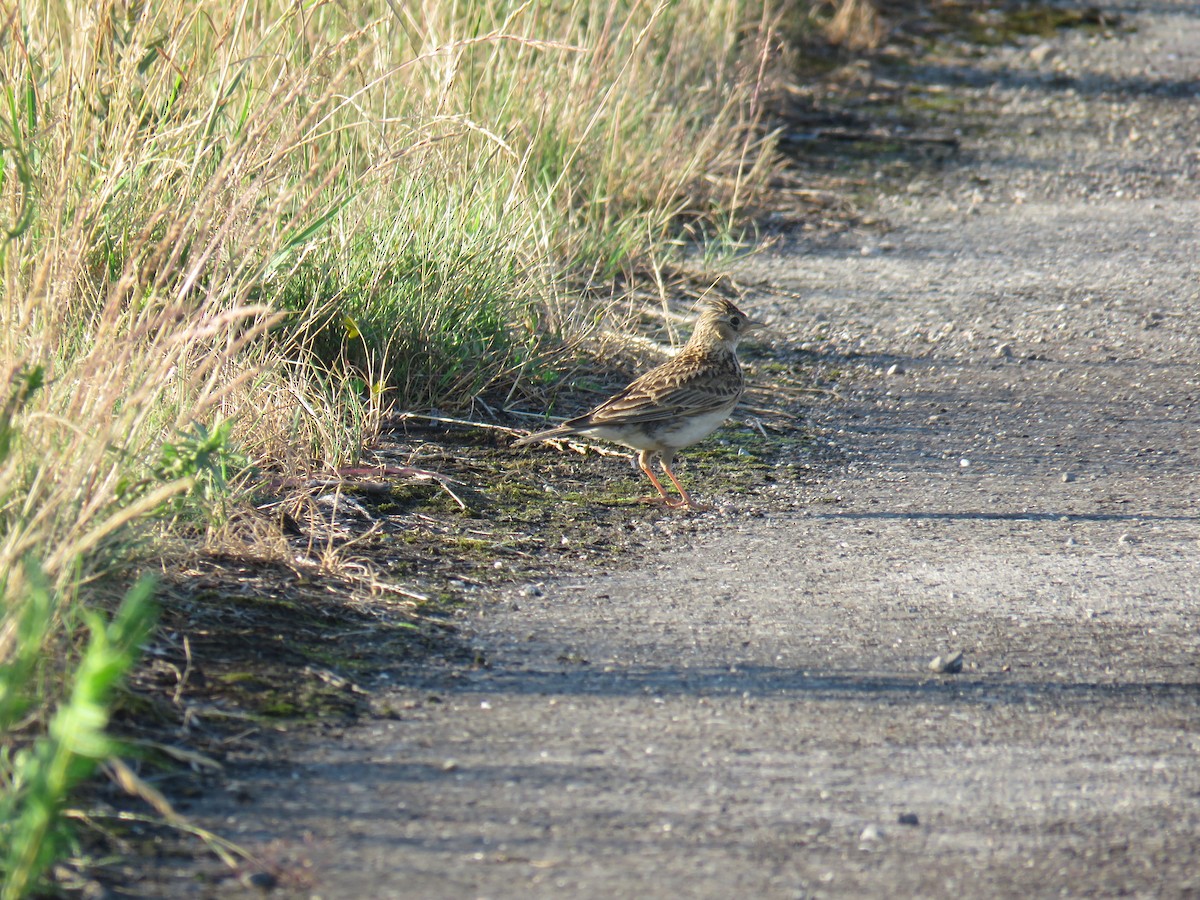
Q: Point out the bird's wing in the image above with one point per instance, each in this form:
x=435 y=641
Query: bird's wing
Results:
x=662 y=394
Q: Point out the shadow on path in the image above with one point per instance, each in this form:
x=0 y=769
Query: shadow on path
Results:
x=760 y=682
x=947 y=516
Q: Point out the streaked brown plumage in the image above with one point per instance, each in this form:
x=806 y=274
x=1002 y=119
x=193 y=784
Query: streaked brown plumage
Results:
x=673 y=405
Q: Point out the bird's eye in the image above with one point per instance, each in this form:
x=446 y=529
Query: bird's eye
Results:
x=735 y=321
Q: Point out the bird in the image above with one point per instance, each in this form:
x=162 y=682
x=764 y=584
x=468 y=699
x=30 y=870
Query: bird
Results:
x=673 y=405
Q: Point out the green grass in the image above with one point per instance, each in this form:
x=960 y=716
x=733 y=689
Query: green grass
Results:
x=36 y=781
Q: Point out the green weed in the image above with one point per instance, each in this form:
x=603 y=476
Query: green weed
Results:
x=36 y=781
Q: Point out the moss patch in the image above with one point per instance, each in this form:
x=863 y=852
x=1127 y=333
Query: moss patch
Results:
x=995 y=23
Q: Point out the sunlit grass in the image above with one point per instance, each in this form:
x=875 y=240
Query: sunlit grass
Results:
x=223 y=212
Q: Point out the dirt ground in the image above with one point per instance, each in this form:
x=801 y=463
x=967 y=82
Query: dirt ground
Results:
x=749 y=710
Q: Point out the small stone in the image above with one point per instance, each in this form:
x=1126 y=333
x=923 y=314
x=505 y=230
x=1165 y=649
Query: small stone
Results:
x=450 y=765
x=1126 y=539
x=1068 y=477
x=895 y=369
x=1004 y=351
x=1042 y=54
x=264 y=881
x=908 y=818
x=94 y=890
x=871 y=833
x=947 y=665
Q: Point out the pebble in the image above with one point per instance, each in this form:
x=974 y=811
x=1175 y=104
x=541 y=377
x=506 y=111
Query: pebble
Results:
x=1042 y=54
x=908 y=818
x=264 y=881
x=92 y=890
x=871 y=833
x=1127 y=539
x=948 y=665
x=1068 y=477
x=895 y=369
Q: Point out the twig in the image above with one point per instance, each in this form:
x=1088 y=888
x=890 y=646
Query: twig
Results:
x=191 y=757
x=449 y=420
x=341 y=474
x=582 y=448
x=187 y=671
x=767 y=411
x=398 y=471
x=453 y=496
x=135 y=786
x=233 y=739
x=403 y=592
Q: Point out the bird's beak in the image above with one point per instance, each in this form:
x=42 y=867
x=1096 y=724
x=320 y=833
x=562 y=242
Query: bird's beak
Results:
x=755 y=325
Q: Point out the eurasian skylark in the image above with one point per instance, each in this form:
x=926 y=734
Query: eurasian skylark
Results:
x=673 y=405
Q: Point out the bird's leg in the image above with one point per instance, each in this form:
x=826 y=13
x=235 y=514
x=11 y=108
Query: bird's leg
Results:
x=643 y=461
x=686 y=502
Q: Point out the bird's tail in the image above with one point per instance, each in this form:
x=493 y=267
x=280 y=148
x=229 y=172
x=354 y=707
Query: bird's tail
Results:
x=560 y=431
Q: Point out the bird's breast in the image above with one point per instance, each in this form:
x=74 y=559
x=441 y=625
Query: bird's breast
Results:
x=690 y=429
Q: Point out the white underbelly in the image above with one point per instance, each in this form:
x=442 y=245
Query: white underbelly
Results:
x=692 y=430
x=656 y=436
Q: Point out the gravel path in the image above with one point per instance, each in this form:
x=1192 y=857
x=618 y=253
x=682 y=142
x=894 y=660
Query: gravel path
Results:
x=752 y=713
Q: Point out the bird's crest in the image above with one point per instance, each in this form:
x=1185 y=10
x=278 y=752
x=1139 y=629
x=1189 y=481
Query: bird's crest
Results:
x=719 y=305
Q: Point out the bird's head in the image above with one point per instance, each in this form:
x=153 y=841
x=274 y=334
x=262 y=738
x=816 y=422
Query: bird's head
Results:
x=725 y=321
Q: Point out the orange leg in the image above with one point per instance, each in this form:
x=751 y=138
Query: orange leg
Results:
x=643 y=464
x=687 y=502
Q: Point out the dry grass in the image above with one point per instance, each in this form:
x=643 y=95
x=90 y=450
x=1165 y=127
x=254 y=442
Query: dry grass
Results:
x=855 y=25
x=236 y=234
x=288 y=217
